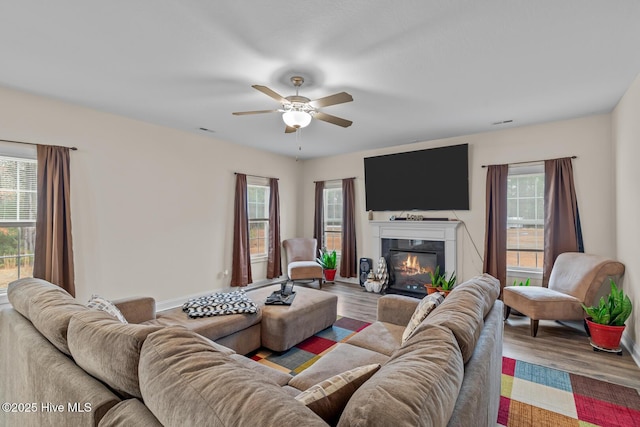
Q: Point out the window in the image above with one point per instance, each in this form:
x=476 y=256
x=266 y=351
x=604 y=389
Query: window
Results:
x=332 y=236
x=258 y=207
x=18 y=198
x=525 y=218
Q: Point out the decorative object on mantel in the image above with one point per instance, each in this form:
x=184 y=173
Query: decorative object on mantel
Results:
x=378 y=282
x=606 y=320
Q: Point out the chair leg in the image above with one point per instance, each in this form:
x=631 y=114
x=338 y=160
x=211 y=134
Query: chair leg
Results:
x=506 y=312
x=534 y=327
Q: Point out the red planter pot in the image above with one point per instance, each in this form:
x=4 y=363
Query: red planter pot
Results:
x=605 y=336
x=330 y=275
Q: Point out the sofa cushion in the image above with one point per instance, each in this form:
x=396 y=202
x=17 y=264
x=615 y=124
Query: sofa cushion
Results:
x=270 y=374
x=342 y=357
x=426 y=306
x=108 y=349
x=464 y=309
x=418 y=386
x=463 y=316
x=185 y=381
x=21 y=292
x=48 y=306
x=487 y=286
x=329 y=398
x=130 y=412
x=381 y=337
x=98 y=303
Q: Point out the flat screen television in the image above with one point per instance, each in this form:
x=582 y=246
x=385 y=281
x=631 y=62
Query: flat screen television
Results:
x=432 y=179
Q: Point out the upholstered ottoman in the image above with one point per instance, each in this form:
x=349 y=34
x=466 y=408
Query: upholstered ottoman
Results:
x=284 y=326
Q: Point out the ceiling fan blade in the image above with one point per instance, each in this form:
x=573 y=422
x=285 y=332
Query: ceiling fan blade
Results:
x=243 y=113
x=332 y=119
x=337 y=98
x=289 y=129
x=272 y=94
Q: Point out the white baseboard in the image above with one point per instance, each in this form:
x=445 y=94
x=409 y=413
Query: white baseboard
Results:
x=352 y=280
x=634 y=349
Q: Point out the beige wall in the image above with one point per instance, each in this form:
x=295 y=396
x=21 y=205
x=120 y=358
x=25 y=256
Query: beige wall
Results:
x=152 y=207
x=626 y=138
x=588 y=138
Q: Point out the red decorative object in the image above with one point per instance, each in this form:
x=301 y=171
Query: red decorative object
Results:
x=330 y=275
x=605 y=336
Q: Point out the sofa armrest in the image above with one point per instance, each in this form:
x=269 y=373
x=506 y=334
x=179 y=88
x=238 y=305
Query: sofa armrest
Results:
x=396 y=309
x=137 y=309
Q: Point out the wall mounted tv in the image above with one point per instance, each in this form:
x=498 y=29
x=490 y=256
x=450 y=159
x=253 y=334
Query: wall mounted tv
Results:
x=432 y=179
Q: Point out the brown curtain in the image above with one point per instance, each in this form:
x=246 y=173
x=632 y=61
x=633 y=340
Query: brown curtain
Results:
x=274 y=264
x=562 y=230
x=495 y=242
x=318 y=217
x=241 y=264
x=348 y=257
x=53 y=256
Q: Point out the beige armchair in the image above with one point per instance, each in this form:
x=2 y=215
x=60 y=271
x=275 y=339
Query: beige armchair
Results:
x=301 y=259
x=576 y=278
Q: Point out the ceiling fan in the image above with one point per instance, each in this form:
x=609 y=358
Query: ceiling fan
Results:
x=297 y=111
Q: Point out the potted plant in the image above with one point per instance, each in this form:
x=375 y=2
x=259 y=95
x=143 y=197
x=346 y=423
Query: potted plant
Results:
x=439 y=282
x=436 y=280
x=328 y=262
x=446 y=285
x=606 y=320
x=526 y=283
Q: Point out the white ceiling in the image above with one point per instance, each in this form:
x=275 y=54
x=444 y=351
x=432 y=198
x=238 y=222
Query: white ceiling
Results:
x=417 y=69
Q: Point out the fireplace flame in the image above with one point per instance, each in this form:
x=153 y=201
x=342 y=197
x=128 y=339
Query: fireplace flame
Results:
x=411 y=266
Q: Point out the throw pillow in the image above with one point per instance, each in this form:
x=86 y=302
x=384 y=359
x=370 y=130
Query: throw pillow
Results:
x=99 y=303
x=426 y=306
x=328 y=398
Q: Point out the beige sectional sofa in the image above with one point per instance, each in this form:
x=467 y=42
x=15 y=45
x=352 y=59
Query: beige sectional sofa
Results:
x=58 y=351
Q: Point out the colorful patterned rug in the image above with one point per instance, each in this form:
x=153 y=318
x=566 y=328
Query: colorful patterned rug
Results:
x=532 y=395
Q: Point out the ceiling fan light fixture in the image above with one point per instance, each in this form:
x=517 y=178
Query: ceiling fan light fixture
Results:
x=296 y=119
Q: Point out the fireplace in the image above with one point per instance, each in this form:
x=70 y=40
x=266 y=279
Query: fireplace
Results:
x=410 y=261
x=409 y=270
x=405 y=243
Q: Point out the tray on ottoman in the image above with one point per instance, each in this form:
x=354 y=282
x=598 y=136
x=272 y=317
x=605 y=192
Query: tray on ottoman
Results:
x=284 y=326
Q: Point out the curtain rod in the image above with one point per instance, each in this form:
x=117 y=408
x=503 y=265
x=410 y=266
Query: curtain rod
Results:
x=339 y=179
x=255 y=176
x=529 y=161
x=31 y=143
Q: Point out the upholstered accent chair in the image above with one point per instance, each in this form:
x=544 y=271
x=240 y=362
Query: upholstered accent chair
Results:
x=576 y=278
x=301 y=254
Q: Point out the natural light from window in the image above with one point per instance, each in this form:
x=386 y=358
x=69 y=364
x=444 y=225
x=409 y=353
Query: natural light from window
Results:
x=525 y=218
x=332 y=239
x=18 y=198
x=258 y=207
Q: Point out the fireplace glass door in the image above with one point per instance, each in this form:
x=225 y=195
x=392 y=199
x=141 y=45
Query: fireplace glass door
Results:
x=410 y=269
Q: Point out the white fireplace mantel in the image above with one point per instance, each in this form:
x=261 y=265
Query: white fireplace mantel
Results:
x=444 y=231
